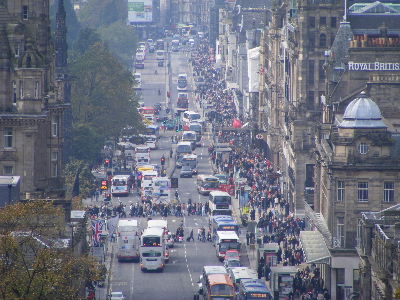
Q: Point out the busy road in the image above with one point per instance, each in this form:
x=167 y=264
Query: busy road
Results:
x=179 y=279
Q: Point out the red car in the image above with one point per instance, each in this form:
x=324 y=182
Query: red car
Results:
x=232 y=254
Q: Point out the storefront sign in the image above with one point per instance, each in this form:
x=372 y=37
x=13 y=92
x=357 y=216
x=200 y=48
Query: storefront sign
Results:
x=375 y=66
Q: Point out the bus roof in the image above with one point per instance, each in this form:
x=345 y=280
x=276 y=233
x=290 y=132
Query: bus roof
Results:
x=254 y=286
x=190 y=156
x=208 y=270
x=157 y=224
x=214 y=279
x=189 y=131
x=152 y=126
x=142 y=147
x=128 y=222
x=147 y=107
x=185 y=143
x=219 y=193
x=156 y=231
x=227 y=235
x=202 y=177
x=223 y=218
x=239 y=273
x=121 y=177
x=182 y=74
x=150 y=172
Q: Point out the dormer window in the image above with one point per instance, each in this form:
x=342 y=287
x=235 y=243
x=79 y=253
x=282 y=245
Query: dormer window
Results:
x=25 y=12
x=363 y=148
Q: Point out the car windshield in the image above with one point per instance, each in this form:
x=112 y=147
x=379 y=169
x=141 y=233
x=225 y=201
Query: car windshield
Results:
x=186 y=168
x=233 y=263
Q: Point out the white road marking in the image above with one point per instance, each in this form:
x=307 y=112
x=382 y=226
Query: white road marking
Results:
x=196 y=224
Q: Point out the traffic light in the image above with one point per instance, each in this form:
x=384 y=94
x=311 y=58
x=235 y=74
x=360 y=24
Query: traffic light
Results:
x=104 y=185
x=107 y=163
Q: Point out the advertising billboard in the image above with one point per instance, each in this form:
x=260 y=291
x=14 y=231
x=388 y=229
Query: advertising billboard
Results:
x=140 y=11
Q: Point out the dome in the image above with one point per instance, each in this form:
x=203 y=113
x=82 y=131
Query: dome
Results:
x=362 y=112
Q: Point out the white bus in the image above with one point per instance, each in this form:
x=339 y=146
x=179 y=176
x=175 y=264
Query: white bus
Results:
x=147 y=178
x=160 y=54
x=226 y=240
x=162 y=189
x=151 y=141
x=152 y=250
x=142 y=155
x=191 y=161
x=190 y=116
x=128 y=240
x=220 y=203
x=182 y=82
x=121 y=185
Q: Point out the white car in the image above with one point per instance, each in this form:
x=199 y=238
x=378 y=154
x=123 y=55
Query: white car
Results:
x=117 y=296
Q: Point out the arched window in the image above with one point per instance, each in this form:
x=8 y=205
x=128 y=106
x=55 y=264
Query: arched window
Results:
x=28 y=61
x=322 y=40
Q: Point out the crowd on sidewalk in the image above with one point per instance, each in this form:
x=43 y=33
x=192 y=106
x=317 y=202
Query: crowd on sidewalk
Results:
x=276 y=223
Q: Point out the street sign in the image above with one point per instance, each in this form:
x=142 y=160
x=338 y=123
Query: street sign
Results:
x=174 y=182
x=259 y=136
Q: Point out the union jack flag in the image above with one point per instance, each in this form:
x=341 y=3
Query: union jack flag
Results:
x=97 y=226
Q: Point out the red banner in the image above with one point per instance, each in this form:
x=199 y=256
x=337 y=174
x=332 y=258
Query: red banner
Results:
x=229 y=188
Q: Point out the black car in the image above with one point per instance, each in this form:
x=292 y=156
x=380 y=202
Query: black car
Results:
x=186 y=171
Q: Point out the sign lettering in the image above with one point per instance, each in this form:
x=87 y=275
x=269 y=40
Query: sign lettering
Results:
x=375 y=66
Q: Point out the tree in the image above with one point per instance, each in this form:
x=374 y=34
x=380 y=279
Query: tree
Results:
x=86 y=178
x=87 y=38
x=32 y=265
x=96 y=13
x=103 y=99
x=121 y=40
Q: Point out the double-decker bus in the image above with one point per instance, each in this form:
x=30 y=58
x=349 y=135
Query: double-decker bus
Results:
x=152 y=249
x=175 y=45
x=224 y=241
x=224 y=223
x=254 y=289
x=182 y=82
x=152 y=130
x=121 y=185
x=128 y=240
x=218 y=286
x=162 y=189
x=191 y=161
x=139 y=60
x=220 y=203
x=206 y=184
x=160 y=44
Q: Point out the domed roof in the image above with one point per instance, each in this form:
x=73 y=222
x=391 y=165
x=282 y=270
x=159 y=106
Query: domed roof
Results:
x=362 y=112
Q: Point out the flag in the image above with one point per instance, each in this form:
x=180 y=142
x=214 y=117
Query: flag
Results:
x=98 y=226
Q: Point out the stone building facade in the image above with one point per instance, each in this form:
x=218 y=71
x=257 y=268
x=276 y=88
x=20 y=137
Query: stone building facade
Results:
x=294 y=47
x=32 y=102
x=378 y=245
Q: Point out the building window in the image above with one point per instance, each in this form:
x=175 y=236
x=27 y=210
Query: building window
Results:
x=54 y=126
x=341 y=191
x=25 y=12
x=362 y=192
x=333 y=22
x=356 y=280
x=17 y=50
x=37 y=90
x=309 y=175
x=340 y=231
x=311 y=21
x=388 y=191
x=322 y=40
x=321 y=71
x=54 y=164
x=14 y=88
x=8 y=170
x=8 y=137
x=310 y=99
x=322 y=21
x=363 y=148
x=21 y=89
x=311 y=67
x=311 y=41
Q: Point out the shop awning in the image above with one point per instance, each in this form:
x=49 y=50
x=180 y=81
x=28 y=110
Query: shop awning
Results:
x=314 y=247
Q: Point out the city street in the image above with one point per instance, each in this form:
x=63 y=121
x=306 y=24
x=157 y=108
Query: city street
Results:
x=179 y=279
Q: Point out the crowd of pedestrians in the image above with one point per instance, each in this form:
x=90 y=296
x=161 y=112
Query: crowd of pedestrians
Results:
x=276 y=223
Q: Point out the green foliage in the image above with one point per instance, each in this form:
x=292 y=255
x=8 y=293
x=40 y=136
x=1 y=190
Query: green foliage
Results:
x=97 y=13
x=87 y=38
x=85 y=177
x=29 y=270
x=103 y=100
x=121 y=40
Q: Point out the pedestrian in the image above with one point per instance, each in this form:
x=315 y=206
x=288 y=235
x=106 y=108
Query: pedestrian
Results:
x=247 y=238
x=190 y=236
